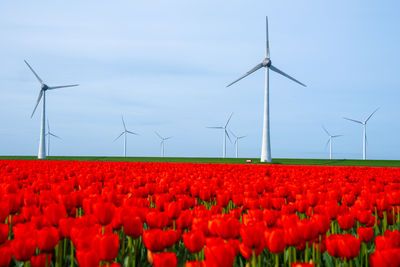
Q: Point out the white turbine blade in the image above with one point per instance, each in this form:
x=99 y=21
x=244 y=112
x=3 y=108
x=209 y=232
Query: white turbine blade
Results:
x=233 y=134
x=48 y=126
x=169 y=137
x=243 y=136
x=215 y=127
x=62 y=86
x=266 y=36
x=118 y=136
x=37 y=76
x=334 y=136
x=55 y=136
x=229 y=119
x=327 y=143
x=123 y=122
x=259 y=66
x=132 y=132
x=159 y=135
x=226 y=132
x=326 y=131
x=286 y=75
x=371 y=115
x=37 y=102
x=352 y=120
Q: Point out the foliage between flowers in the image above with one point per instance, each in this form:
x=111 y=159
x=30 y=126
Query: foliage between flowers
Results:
x=172 y=214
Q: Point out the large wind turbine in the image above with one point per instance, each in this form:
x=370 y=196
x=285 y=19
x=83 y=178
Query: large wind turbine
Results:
x=266 y=63
x=42 y=94
x=330 y=141
x=162 y=143
x=364 y=125
x=225 y=135
x=125 y=132
x=236 y=143
x=48 y=134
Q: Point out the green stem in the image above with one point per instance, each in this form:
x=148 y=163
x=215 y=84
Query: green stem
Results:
x=276 y=260
x=72 y=254
x=10 y=227
x=65 y=248
x=135 y=244
x=384 y=221
x=103 y=229
x=253 y=259
x=306 y=253
x=46 y=263
x=129 y=250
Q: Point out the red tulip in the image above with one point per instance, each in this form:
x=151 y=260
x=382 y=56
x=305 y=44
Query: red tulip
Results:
x=157 y=219
x=104 y=212
x=274 y=240
x=173 y=210
x=40 y=260
x=219 y=256
x=365 y=234
x=107 y=246
x=194 y=264
x=54 y=212
x=164 y=259
x=252 y=236
x=247 y=252
x=4 y=228
x=153 y=240
x=302 y=264
x=87 y=258
x=194 y=241
x=133 y=226
x=387 y=257
x=171 y=237
x=345 y=221
x=47 y=238
x=23 y=249
x=5 y=255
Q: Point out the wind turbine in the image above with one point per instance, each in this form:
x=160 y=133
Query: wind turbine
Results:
x=236 y=143
x=266 y=63
x=330 y=141
x=162 y=143
x=225 y=135
x=42 y=94
x=48 y=134
x=125 y=132
x=364 y=125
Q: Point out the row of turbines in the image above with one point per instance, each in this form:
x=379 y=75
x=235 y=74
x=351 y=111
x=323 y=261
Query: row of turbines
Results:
x=265 y=144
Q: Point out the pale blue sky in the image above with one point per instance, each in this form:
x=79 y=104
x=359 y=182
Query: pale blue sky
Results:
x=165 y=65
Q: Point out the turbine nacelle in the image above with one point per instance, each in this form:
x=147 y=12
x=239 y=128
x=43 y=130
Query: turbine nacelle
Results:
x=44 y=87
x=266 y=62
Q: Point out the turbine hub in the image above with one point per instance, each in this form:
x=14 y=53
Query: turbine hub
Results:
x=44 y=87
x=266 y=62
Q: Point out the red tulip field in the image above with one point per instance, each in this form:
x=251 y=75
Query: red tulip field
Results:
x=70 y=213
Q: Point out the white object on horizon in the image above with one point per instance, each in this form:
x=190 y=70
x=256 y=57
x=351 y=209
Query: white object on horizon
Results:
x=330 y=141
x=124 y=132
x=236 y=143
x=364 y=124
x=225 y=135
x=48 y=134
x=42 y=94
x=162 y=143
x=266 y=63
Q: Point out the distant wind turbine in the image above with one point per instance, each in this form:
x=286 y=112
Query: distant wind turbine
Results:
x=225 y=135
x=236 y=143
x=364 y=124
x=266 y=63
x=162 y=143
x=330 y=141
x=42 y=94
x=48 y=134
x=125 y=132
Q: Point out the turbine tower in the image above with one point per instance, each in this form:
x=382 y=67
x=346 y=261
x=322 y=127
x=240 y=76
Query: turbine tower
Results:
x=266 y=63
x=364 y=125
x=330 y=141
x=48 y=134
x=236 y=143
x=162 y=143
x=124 y=132
x=225 y=135
x=42 y=94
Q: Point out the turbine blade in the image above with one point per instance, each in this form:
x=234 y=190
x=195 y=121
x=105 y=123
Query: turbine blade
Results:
x=267 y=41
x=229 y=119
x=327 y=143
x=132 y=132
x=159 y=135
x=259 y=66
x=226 y=132
x=334 y=136
x=55 y=136
x=286 y=75
x=118 y=136
x=243 y=136
x=48 y=126
x=233 y=134
x=123 y=122
x=352 y=120
x=215 y=127
x=37 y=76
x=62 y=86
x=326 y=131
x=169 y=137
x=37 y=102
x=371 y=115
